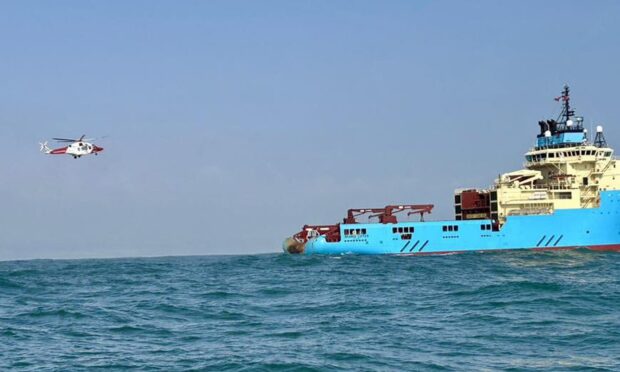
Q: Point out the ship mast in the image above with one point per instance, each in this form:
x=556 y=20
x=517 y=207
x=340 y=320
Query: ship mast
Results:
x=566 y=113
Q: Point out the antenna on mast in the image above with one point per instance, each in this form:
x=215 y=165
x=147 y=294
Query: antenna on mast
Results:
x=567 y=113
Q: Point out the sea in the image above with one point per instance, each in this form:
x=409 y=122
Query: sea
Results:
x=501 y=311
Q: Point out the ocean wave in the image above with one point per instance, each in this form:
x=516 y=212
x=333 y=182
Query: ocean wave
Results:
x=507 y=310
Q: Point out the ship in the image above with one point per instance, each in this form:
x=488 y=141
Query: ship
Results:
x=567 y=196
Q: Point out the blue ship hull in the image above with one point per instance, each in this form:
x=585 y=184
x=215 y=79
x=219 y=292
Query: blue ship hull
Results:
x=597 y=228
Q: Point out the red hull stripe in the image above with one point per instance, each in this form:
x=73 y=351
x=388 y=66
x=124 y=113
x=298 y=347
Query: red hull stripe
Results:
x=599 y=248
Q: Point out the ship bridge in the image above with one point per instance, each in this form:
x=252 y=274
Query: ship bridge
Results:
x=564 y=170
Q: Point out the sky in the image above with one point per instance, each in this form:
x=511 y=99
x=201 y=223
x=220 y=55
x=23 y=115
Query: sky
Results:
x=228 y=125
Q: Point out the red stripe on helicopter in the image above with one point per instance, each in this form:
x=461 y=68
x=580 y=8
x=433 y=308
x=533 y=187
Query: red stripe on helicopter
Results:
x=59 y=151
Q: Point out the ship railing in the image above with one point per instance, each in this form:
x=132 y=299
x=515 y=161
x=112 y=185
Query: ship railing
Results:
x=560 y=187
x=528 y=212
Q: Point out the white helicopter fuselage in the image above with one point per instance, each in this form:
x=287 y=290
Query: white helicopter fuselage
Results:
x=79 y=149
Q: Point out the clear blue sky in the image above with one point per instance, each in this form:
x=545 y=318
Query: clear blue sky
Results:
x=232 y=123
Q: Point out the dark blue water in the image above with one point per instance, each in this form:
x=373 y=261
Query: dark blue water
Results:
x=494 y=311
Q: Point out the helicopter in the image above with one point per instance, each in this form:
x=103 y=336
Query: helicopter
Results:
x=76 y=148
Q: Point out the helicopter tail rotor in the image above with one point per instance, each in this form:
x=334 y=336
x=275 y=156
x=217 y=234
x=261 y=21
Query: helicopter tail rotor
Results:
x=44 y=148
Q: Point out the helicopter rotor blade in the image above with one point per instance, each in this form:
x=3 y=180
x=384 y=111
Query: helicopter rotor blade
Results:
x=64 y=140
x=81 y=139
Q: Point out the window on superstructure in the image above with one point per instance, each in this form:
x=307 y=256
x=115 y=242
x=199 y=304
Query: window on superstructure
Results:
x=608 y=154
x=445 y=228
x=394 y=230
x=552 y=155
x=565 y=195
x=363 y=231
x=456 y=228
